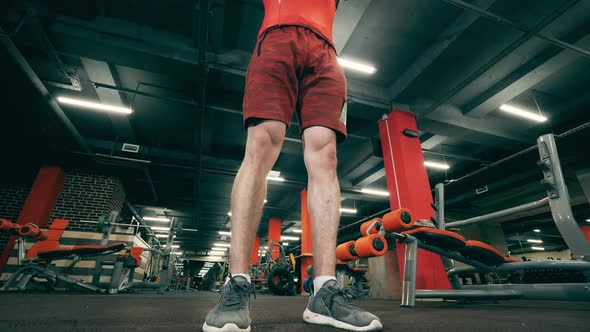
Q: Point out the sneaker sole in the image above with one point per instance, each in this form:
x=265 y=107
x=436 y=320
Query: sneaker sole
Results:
x=318 y=319
x=229 y=327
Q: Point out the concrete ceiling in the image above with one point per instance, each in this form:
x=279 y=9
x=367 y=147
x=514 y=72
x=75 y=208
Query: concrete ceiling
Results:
x=451 y=67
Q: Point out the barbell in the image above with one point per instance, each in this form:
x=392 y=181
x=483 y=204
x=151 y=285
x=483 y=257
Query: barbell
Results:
x=104 y=223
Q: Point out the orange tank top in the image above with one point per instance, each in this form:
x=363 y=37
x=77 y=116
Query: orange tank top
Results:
x=318 y=15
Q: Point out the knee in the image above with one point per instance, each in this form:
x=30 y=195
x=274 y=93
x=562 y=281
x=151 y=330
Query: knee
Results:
x=261 y=146
x=321 y=159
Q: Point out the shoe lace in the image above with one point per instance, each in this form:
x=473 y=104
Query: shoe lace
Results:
x=344 y=296
x=237 y=292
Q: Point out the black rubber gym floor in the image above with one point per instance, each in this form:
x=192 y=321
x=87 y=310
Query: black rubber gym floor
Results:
x=179 y=311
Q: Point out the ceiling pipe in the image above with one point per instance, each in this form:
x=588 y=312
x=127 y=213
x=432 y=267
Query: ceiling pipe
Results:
x=193 y=102
x=500 y=56
x=535 y=32
x=203 y=46
x=42 y=90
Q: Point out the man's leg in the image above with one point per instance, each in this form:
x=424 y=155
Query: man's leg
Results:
x=232 y=313
x=249 y=190
x=323 y=197
x=328 y=305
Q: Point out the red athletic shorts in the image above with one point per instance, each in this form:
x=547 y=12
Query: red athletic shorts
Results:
x=294 y=69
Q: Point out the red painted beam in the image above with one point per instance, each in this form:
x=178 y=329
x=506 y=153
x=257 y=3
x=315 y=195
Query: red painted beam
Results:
x=408 y=186
x=39 y=204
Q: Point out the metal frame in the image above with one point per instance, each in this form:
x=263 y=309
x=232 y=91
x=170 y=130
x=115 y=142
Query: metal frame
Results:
x=559 y=203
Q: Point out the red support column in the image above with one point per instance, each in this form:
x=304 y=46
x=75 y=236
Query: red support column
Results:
x=39 y=204
x=586 y=231
x=254 y=252
x=274 y=234
x=306 y=239
x=409 y=187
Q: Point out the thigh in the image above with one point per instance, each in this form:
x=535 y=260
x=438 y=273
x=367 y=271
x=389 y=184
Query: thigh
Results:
x=322 y=95
x=271 y=80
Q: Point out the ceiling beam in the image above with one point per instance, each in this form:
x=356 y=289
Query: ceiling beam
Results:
x=524 y=78
x=444 y=40
x=450 y=121
x=231 y=167
x=40 y=89
x=528 y=34
x=101 y=72
x=118 y=41
x=347 y=17
x=433 y=141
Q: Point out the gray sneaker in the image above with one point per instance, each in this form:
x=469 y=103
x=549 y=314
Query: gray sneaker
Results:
x=332 y=306
x=232 y=313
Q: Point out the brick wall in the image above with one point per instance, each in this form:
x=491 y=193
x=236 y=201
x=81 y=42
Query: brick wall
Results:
x=85 y=197
x=12 y=199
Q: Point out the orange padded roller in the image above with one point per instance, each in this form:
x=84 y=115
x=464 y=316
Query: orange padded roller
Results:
x=6 y=225
x=365 y=226
x=345 y=252
x=32 y=230
x=371 y=245
x=398 y=220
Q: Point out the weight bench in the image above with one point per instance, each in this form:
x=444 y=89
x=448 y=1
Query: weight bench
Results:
x=399 y=225
x=38 y=258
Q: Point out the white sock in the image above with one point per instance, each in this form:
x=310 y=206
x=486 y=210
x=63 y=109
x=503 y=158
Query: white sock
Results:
x=247 y=276
x=318 y=282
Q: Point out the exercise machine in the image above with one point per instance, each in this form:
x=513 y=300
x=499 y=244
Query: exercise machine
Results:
x=277 y=274
x=37 y=262
x=480 y=257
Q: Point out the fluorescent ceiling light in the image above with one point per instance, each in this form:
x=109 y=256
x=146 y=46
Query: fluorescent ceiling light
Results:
x=347 y=210
x=285 y=243
x=537 y=248
x=177 y=253
x=158 y=228
x=156 y=219
x=224 y=233
x=214 y=258
x=277 y=179
x=229 y=213
x=588 y=220
x=175 y=246
x=537 y=230
x=162 y=235
x=265 y=247
x=296 y=231
x=436 y=165
x=96 y=106
x=216 y=253
x=265 y=201
x=219 y=249
x=357 y=66
x=522 y=113
x=208 y=264
x=292 y=238
x=534 y=241
x=190 y=230
x=375 y=192
x=219 y=244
